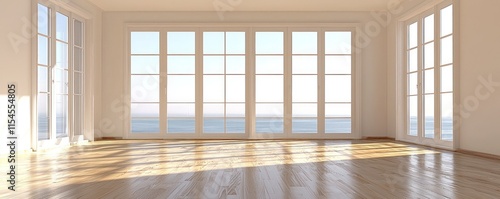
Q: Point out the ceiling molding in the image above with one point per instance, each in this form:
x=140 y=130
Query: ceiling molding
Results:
x=243 y=5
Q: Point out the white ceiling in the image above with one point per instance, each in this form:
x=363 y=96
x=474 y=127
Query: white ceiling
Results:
x=241 y=5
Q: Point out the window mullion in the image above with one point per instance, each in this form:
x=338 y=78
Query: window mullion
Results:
x=163 y=83
x=199 y=83
x=287 y=123
x=437 y=74
x=52 y=63
x=321 y=83
x=250 y=83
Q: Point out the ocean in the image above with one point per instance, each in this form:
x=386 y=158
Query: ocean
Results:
x=263 y=125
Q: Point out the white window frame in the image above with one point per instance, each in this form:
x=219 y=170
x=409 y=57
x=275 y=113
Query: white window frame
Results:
x=250 y=30
x=72 y=12
x=417 y=15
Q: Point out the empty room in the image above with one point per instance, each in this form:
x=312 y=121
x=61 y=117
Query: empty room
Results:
x=249 y=99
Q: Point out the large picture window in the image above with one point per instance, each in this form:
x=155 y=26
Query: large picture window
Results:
x=231 y=83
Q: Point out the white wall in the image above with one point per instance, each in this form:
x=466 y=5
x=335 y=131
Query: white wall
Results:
x=373 y=60
x=479 y=57
x=16 y=35
x=16 y=67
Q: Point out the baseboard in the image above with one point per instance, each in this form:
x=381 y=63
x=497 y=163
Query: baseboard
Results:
x=108 y=138
x=474 y=153
x=377 y=138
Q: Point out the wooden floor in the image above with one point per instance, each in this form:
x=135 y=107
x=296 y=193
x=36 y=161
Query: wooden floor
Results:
x=253 y=169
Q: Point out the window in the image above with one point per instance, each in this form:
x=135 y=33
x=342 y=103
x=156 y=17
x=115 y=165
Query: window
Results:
x=305 y=82
x=60 y=75
x=338 y=86
x=145 y=81
x=181 y=67
x=429 y=75
x=217 y=82
x=224 y=82
x=269 y=82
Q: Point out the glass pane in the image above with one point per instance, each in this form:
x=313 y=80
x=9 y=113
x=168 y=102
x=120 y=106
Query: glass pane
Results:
x=145 y=64
x=78 y=115
x=185 y=125
x=61 y=81
x=61 y=27
x=43 y=79
x=338 y=88
x=235 y=110
x=337 y=110
x=413 y=115
x=213 y=43
x=213 y=88
x=447 y=20
x=235 y=125
x=235 y=88
x=213 y=125
x=304 y=125
x=78 y=59
x=180 y=64
x=78 y=83
x=429 y=116
x=213 y=64
x=429 y=28
x=447 y=79
x=145 y=42
x=413 y=35
x=269 y=110
x=145 y=110
x=145 y=88
x=269 y=88
x=269 y=43
x=413 y=84
x=180 y=110
x=340 y=125
x=181 y=43
x=61 y=55
x=338 y=43
x=180 y=88
x=213 y=121
x=447 y=50
x=235 y=43
x=304 y=64
x=429 y=55
x=43 y=116
x=61 y=116
x=304 y=110
x=413 y=60
x=304 y=42
x=304 y=88
x=269 y=125
x=78 y=33
x=43 y=50
x=214 y=110
x=429 y=81
x=447 y=116
x=43 y=19
x=235 y=65
x=338 y=64
x=269 y=118
x=269 y=65
x=145 y=125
